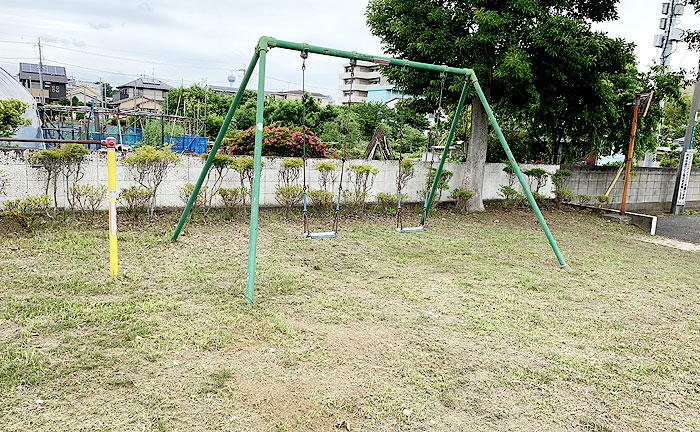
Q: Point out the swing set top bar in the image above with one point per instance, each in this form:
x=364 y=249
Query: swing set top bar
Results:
x=269 y=42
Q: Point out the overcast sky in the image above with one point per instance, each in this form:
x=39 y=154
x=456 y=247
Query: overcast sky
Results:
x=203 y=40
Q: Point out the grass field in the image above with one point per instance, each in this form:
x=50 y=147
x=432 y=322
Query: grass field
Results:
x=469 y=326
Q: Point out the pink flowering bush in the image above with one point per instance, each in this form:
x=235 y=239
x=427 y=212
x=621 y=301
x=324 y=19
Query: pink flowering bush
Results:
x=277 y=141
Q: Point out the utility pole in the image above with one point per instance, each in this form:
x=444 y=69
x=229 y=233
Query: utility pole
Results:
x=671 y=33
x=41 y=75
x=670 y=11
x=685 y=162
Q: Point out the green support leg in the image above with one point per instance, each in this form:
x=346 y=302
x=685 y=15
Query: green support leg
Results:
x=255 y=193
x=215 y=147
x=445 y=152
x=519 y=174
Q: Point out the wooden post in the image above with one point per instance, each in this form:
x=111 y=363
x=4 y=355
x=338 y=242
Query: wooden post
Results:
x=630 y=153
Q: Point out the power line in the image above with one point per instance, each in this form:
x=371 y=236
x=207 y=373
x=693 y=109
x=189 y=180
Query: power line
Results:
x=138 y=59
x=17 y=42
x=176 y=64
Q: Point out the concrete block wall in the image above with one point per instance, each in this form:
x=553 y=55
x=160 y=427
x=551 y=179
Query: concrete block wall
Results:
x=25 y=179
x=650 y=189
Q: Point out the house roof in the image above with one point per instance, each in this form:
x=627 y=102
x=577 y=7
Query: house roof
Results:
x=84 y=90
x=147 y=83
x=138 y=100
x=223 y=89
x=53 y=74
x=299 y=93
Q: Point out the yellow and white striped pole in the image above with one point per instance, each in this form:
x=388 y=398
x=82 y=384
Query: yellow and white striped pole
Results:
x=111 y=144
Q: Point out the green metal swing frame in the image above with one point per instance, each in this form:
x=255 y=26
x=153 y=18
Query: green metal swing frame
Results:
x=259 y=58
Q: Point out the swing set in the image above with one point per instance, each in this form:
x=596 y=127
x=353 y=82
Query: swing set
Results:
x=259 y=58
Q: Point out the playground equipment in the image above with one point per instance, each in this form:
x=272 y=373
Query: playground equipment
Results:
x=259 y=58
x=111 y=145
x=438 y=113
x=328 y=234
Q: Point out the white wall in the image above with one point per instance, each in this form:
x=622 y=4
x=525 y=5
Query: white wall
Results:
x=27 y=180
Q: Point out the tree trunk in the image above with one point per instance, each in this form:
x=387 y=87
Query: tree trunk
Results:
x=476 y=153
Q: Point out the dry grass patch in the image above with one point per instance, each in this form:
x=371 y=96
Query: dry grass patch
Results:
x=468 y=326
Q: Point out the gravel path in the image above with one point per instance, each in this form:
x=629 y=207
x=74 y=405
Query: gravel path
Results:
x=686 y=228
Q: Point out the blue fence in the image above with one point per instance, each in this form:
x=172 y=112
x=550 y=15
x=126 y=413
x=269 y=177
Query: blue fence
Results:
x=130 y=137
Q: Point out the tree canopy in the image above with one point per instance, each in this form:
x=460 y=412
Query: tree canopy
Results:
x=541 y=62
x=11 y=111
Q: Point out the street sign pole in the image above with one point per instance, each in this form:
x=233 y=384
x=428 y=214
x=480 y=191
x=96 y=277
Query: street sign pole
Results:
x=686 y=160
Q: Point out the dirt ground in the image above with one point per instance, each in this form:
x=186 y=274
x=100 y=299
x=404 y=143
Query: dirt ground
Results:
x=470 y=325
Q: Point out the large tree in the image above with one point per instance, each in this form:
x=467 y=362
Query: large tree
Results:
x=538 y=61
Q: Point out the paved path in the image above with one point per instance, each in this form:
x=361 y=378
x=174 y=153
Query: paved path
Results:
x=686 y=228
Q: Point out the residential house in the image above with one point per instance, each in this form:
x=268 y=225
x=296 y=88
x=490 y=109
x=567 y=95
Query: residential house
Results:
x=85 y=95
x=139 y=103
x=322 y=99
x=145 y=93
x=223 y=90
x=53 y=77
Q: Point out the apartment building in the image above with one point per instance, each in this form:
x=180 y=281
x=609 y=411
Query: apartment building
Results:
x=366 y=74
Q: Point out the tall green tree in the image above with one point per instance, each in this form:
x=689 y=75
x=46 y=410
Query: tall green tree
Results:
x=537 y=60
x=692 y=37
x=11 y=111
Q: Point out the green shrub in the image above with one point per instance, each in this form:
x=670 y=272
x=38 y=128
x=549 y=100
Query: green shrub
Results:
x=245 y=167
x=386 y=203
x=186 y=191
x=289 y=171
x=289 y=196
x=540 y=199
x=220 y=166
x=538 y=176
x=407 y=168
x=136 y=199
x=361 y=178
x=88 y=197
x=602 y=200
x=328 y=175
x=442 y=184
x=321 y=199
x=560 y=177
x=512 y=196
x=149 y=166
x=562 y=195
x=26 y=211
x=583 y=199
x=233 y=198
x=65 y=161
x=354 y=200
x=508 y=169
x=461 y=197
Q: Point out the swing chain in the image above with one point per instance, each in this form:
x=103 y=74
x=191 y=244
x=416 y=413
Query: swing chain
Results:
x=304 y=56
x=353 y=63
x=399 y=220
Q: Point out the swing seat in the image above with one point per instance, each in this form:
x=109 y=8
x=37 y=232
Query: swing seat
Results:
x=420 y=228
x=321 y=235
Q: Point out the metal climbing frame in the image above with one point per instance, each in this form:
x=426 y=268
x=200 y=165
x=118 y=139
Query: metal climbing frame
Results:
x=259 y=58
